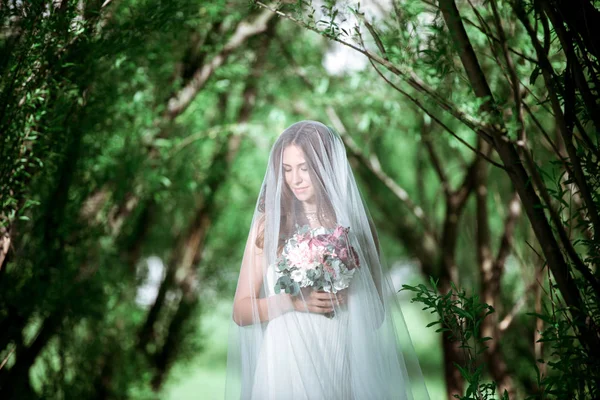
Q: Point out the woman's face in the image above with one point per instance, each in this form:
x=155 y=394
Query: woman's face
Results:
x=296 y=174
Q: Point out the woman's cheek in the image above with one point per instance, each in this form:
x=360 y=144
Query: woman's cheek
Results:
x=306 y=178
x=287 y=178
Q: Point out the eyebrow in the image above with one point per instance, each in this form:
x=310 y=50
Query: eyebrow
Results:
x=288 y=165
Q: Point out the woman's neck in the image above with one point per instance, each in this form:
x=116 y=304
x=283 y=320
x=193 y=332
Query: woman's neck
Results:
x=309 y=208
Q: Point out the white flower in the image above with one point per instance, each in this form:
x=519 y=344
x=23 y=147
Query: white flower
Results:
x=319 y=231
x=306 y=282
x=298 y=275
x=340 y=284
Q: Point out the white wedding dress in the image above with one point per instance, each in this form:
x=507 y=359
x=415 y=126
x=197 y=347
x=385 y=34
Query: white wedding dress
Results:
x=303 y=356
x=364 y=352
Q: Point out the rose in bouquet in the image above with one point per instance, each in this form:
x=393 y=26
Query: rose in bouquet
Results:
x=319 y=258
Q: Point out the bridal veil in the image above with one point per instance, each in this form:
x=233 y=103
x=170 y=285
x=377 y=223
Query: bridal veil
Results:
x=361 y=350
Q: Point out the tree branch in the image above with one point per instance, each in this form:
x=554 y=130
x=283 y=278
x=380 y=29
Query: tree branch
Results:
x=514 y=211
x=179 y=102
x=373 y=164
x=435 y=160
x=433 y=117
x=481 y=128
x=519 y=176
x=514 y=311
x=514 y=78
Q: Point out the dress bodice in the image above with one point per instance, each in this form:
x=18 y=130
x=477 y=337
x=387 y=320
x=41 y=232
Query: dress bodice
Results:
x=270 y=280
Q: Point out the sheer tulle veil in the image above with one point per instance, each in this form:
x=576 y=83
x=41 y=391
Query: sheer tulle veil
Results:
x=277 y=350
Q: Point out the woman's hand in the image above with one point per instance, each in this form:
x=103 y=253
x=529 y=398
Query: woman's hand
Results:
x=318 y=302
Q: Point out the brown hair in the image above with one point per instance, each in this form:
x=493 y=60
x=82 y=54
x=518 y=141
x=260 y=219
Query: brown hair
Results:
x=315 y=140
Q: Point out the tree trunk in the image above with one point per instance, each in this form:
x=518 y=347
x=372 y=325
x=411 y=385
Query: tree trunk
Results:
x=520 y=178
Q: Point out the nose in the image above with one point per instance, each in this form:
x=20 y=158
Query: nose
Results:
x=296 y=178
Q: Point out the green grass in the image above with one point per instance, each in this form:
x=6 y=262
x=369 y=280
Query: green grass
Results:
x=198 y=383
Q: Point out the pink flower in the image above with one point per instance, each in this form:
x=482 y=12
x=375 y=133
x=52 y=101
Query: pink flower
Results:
x=317 y=241
x=339 y=231
x=314 y=253
x=301 y=256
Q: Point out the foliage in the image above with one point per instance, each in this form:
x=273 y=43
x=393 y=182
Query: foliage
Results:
x=460 y=317
x=97 y=175
x=573 y=373
x=91 y=180
x=464 y=62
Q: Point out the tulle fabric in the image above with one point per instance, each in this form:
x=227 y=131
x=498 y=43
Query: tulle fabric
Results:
x=277 y=351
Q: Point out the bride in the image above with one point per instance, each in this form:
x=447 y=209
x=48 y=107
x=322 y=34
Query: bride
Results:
x=311 y=323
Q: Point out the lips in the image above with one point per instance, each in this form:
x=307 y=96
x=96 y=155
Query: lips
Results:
x=300 y=190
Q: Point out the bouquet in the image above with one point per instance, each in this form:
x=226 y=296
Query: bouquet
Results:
x=319 y=258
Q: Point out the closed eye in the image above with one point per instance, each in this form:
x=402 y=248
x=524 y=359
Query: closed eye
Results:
x=303 y=167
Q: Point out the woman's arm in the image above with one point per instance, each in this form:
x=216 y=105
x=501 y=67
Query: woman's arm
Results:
x=267 y=308
x=248 y=308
